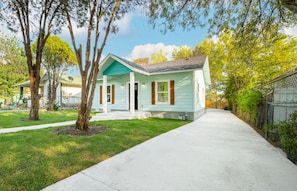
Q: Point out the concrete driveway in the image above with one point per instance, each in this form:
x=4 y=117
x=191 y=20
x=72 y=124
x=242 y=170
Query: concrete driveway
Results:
x=216 y=152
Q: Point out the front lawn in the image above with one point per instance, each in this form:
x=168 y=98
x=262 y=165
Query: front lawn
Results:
x=32 y=160
x=19 y=119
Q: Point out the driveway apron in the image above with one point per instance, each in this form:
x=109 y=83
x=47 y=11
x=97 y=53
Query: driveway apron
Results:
x=216 y=152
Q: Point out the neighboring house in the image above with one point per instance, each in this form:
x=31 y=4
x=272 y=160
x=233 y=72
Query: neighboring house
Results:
x=174 y=89
x=68 y=90
x=280 y=100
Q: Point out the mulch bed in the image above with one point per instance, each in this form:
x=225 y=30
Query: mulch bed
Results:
x=71 y=130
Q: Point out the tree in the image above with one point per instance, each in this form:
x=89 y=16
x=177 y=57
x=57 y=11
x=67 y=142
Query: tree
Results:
x=99 y=18
x=12 y=63
x=158 y=57
x=141 y=61
x=35 y=19
x=57 y=57
x=248 y=18
x=250 y=66
x=182 y=52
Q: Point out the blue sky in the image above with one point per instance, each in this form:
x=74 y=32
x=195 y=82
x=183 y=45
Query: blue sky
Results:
x=137 y=38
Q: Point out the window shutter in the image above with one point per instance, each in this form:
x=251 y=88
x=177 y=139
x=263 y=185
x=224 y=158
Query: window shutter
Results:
x=112 y=94
x=171 y=92
x=100 y=94
x=153 y=93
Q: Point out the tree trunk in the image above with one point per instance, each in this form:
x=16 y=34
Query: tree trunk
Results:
x=82 y=122
x=34 y=87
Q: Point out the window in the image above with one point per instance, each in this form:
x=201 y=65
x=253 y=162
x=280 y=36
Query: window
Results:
x=162 y=92
x=108 y=93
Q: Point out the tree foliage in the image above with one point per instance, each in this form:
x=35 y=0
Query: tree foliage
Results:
x=182 y=52
x=57 y=57
x=13 y=68
x=248 y=18
x=141 y=61
x=158 y=57
x=36 y=20
x=249 y=66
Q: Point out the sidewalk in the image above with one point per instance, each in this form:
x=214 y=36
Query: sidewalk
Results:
x=101 y=116
x=216 y=152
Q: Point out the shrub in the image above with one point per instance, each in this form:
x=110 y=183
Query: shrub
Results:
x=248 y=100
x=287 y=133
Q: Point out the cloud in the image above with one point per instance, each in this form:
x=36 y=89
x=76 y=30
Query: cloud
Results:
x=292 y=31
x=125 y=24
x=145 y=51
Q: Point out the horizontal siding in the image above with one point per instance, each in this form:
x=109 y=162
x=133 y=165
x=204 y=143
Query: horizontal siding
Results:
x=120 y=93
x=183 y=92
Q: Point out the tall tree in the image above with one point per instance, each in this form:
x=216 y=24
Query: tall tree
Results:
x=99 y=18
x=182 y=52
x=158 y=57
x=13 y=68
x=35 y=19
x=251 y=65
x=57 y=57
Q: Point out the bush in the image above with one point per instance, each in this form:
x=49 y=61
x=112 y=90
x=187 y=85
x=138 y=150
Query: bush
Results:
x=287 y=133
x=247 y=103
x=248 y=100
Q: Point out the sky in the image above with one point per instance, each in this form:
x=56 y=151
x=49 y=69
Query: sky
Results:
x=136 y=38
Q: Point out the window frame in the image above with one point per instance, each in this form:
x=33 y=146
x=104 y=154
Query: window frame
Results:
x=157 y=92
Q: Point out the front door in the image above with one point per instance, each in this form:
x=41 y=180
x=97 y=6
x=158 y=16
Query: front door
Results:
x=135 y=96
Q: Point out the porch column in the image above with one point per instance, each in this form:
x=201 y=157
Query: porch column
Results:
x=132 y=92
x=104 y=94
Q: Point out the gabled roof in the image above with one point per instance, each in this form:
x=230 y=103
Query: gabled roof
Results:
x=177 y=65
x=188 y=64
x=65 y=79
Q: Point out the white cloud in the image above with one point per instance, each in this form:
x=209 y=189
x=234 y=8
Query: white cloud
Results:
x=215 y=38
x=145 y=51
x=292 y=31
x=125 y=24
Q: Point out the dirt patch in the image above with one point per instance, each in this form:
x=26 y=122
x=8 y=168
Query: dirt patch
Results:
x=71 y=130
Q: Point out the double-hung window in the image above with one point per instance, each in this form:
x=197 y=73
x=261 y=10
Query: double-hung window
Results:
x=162 y=92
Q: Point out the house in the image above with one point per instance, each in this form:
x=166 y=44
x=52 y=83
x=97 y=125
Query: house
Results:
x=68 y=91
x=280 y=99
x=174 y=89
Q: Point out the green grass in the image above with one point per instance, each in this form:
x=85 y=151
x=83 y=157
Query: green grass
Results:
x=32 y=160
x=19 y=119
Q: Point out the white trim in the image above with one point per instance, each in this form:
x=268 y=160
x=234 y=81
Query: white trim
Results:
x=156 y=92
x=132 y=95
x=104 y=94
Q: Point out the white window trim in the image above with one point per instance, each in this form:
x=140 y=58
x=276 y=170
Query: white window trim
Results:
x=156 y=92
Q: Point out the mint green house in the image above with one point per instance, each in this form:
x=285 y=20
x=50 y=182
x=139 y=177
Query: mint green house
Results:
x=174 y=89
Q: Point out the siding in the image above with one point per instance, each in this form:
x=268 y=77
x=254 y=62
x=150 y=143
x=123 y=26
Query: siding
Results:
x=120 y=86
x=183 y=92
x=116 y=68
